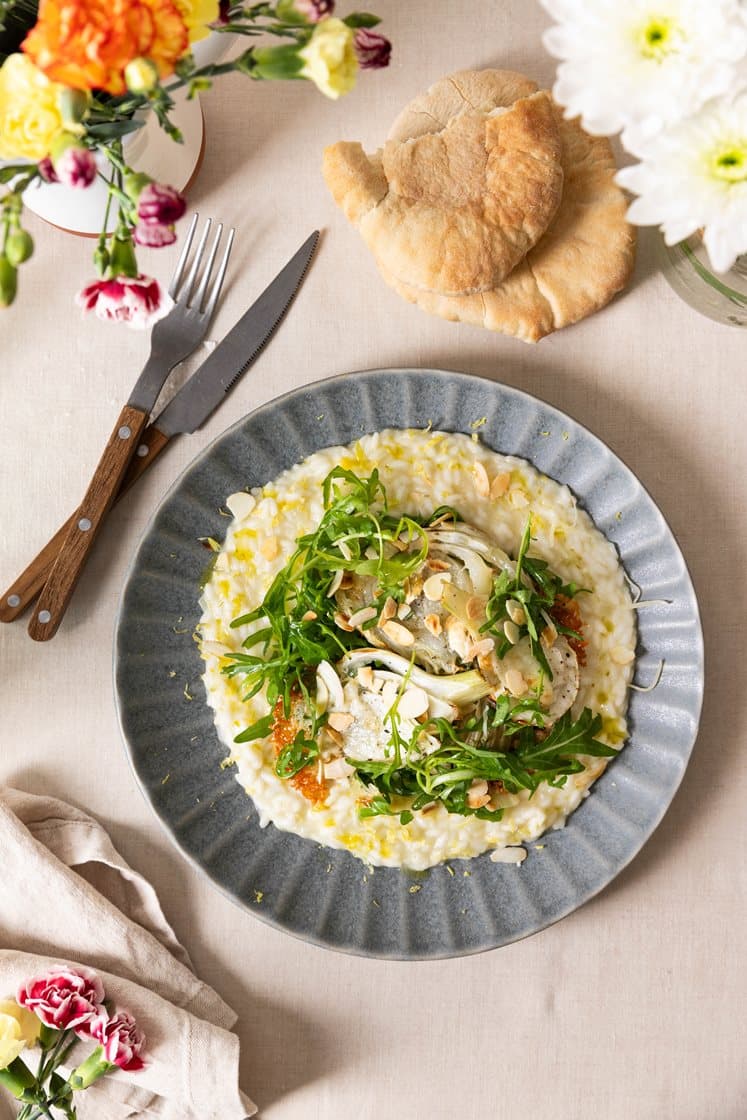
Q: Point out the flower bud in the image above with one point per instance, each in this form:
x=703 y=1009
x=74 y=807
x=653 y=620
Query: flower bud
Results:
x=46 y=169
x=373 y=50
x=304 y=11
x=19 y=246
x=141 y=75
x=8 y=281
x=74 y=165
x=73 y=104
x=101 y=259
x=160 y=205
x=122 y=260
x=154 y=236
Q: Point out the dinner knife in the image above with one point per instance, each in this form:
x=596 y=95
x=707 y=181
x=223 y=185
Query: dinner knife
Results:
x=187 y=411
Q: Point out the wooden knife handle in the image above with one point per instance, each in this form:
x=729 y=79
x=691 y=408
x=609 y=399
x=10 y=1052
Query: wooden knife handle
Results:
x=21 y=594
x=76 y=546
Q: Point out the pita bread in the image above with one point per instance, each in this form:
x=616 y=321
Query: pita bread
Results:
x=583 y=260
x=453 y=210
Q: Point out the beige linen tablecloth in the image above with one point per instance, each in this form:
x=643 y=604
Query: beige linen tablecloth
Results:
x=68 y=897
x=630 y=1008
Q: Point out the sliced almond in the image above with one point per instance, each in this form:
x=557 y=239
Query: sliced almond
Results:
x=412 y=703
x=433 y=624
x=483 y=647
x=338 y=769
x=309 y=616
x=240 y=504
x=366 y=676
x=500 y=484
x=270 y=548
x=515 y=612
x=433 y=588
x=365 y=614
x=343 y=622
x=511 y=630
x=396 y=633
x=336 y=581
x=333 y=734
x=622 y=656
x=345 y=550
x=478 y=795
x=515 y=682
x=340 y=721
x=403 y=610
x=437 y=565
x=518 y=499
x=388 y=610
x=481 y=480
x=389 y=693
x=549 y=635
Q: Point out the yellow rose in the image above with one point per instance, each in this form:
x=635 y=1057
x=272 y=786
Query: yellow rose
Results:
x=197 y=14
x=19 y=1028
x=30 y=115
x=329 y=58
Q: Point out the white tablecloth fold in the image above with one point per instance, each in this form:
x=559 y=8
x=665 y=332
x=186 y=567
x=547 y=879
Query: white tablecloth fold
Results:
x=68 y=897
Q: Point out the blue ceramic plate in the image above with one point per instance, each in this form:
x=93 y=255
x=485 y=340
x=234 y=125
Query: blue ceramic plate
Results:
x=327 y=896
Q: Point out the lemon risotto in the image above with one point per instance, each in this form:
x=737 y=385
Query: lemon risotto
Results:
x=416 y=649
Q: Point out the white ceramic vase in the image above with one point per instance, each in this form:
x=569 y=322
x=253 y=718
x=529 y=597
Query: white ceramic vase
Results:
x=149 y=150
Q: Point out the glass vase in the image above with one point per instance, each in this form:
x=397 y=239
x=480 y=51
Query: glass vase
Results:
x=720 y=296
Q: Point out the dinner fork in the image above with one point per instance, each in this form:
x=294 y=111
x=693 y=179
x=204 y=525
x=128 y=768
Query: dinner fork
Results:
x=173 y=338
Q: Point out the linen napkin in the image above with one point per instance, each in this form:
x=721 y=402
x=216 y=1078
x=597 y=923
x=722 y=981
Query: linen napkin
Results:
x=68 y=897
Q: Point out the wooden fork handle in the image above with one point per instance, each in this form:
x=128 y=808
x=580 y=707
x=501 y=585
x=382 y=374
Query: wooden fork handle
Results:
x=76 y=546
x=21 y=594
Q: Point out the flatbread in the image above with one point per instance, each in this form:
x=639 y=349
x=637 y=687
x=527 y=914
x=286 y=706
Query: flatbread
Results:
x=584 y=258
x=453 y=210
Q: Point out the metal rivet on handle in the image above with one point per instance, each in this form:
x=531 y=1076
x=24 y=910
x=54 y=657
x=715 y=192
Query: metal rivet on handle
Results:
x=124 y=432
x=84 y=524
x=45 y=616
x=143 y=450
x=14 y=600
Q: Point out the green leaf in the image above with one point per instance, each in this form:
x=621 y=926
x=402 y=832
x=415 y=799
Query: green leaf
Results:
x=362 y=19
x=113 y=130
x=7 y=174
x=259 y=730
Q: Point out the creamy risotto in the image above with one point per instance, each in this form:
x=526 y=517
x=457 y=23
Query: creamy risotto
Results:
x=416 y=649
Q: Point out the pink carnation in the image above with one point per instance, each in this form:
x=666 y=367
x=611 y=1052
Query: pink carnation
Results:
x=160 y=205
x=76 y=167
x=374 y=51
x=153 y=236
x=137 y=301
x=121 y=1038
x=63 y=998
x=46 y=169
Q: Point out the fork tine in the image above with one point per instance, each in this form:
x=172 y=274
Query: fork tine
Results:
x=186 y=292
x=218 y=284
x=200 y=295
x=175 y=279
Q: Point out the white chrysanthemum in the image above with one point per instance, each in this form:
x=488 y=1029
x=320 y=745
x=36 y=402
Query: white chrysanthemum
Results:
x=694 y=176
x=638 y=65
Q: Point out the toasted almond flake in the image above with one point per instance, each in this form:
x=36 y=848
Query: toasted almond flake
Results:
x=399 y=634
x=515 y=682
x=333 y=734
x=366 y=676
x=500 y=484
x=413 y=703
x=549 y=635
x=270 y=548
x=389 y=692
x=433 y=623
x=622 y=656
x=437 y=565
x=433 y=588
x=457 y=637
x=346 y=582
x=240 y=504
x=343 y=622
x=361 y=616
x=481 y=480
x=475 y=608
x=340 y=721
x=511 y=630
x=515 y=612
x=483 y=647
x=403 y=610
x=388 y=610
x=309 y=616
x=478 y=795
x=336 y=581
x=508 y=855
x=372 y=553
x=338 y=769
x=518 y=499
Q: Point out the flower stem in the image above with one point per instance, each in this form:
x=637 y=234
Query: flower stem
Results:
x=713 y=282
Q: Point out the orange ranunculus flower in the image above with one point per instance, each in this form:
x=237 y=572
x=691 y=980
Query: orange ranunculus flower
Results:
x=87 y=43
